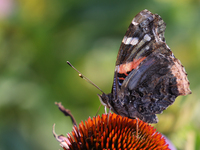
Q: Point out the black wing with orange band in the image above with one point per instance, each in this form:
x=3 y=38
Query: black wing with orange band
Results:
x=147 y=77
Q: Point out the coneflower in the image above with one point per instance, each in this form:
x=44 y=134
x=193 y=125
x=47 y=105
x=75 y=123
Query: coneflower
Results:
x=113 y=133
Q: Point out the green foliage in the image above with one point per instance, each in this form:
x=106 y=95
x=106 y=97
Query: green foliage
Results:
x=37 y=38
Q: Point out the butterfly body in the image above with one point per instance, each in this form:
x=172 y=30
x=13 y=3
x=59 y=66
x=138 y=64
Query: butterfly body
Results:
x=147 y=76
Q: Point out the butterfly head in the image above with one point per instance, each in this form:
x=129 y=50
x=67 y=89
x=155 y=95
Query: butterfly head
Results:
x=104 y=99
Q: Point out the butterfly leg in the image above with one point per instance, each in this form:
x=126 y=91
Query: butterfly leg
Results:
x=108 y=116
x=105 y=109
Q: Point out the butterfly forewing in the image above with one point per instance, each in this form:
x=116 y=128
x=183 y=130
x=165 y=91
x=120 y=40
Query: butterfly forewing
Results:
x=147 y=76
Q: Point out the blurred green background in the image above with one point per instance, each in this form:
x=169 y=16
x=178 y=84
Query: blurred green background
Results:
x=37 y=37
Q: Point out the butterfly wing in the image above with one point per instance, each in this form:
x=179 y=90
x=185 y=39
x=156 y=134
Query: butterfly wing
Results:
x=147 y=77
x=134 y=49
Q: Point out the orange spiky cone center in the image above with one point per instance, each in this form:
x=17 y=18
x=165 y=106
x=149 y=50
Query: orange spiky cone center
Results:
x=115 y=133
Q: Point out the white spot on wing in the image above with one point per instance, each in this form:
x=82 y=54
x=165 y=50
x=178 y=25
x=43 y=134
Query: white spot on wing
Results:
x=130 y=40
x=134 y=41
x=147 y=47
x=124 y=39
x=134 y=23
x=147 y=37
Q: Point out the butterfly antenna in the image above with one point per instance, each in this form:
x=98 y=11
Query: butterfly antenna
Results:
x=84 y=77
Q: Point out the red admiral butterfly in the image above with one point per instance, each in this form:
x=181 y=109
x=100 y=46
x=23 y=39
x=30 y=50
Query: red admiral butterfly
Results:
x=147 y=76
